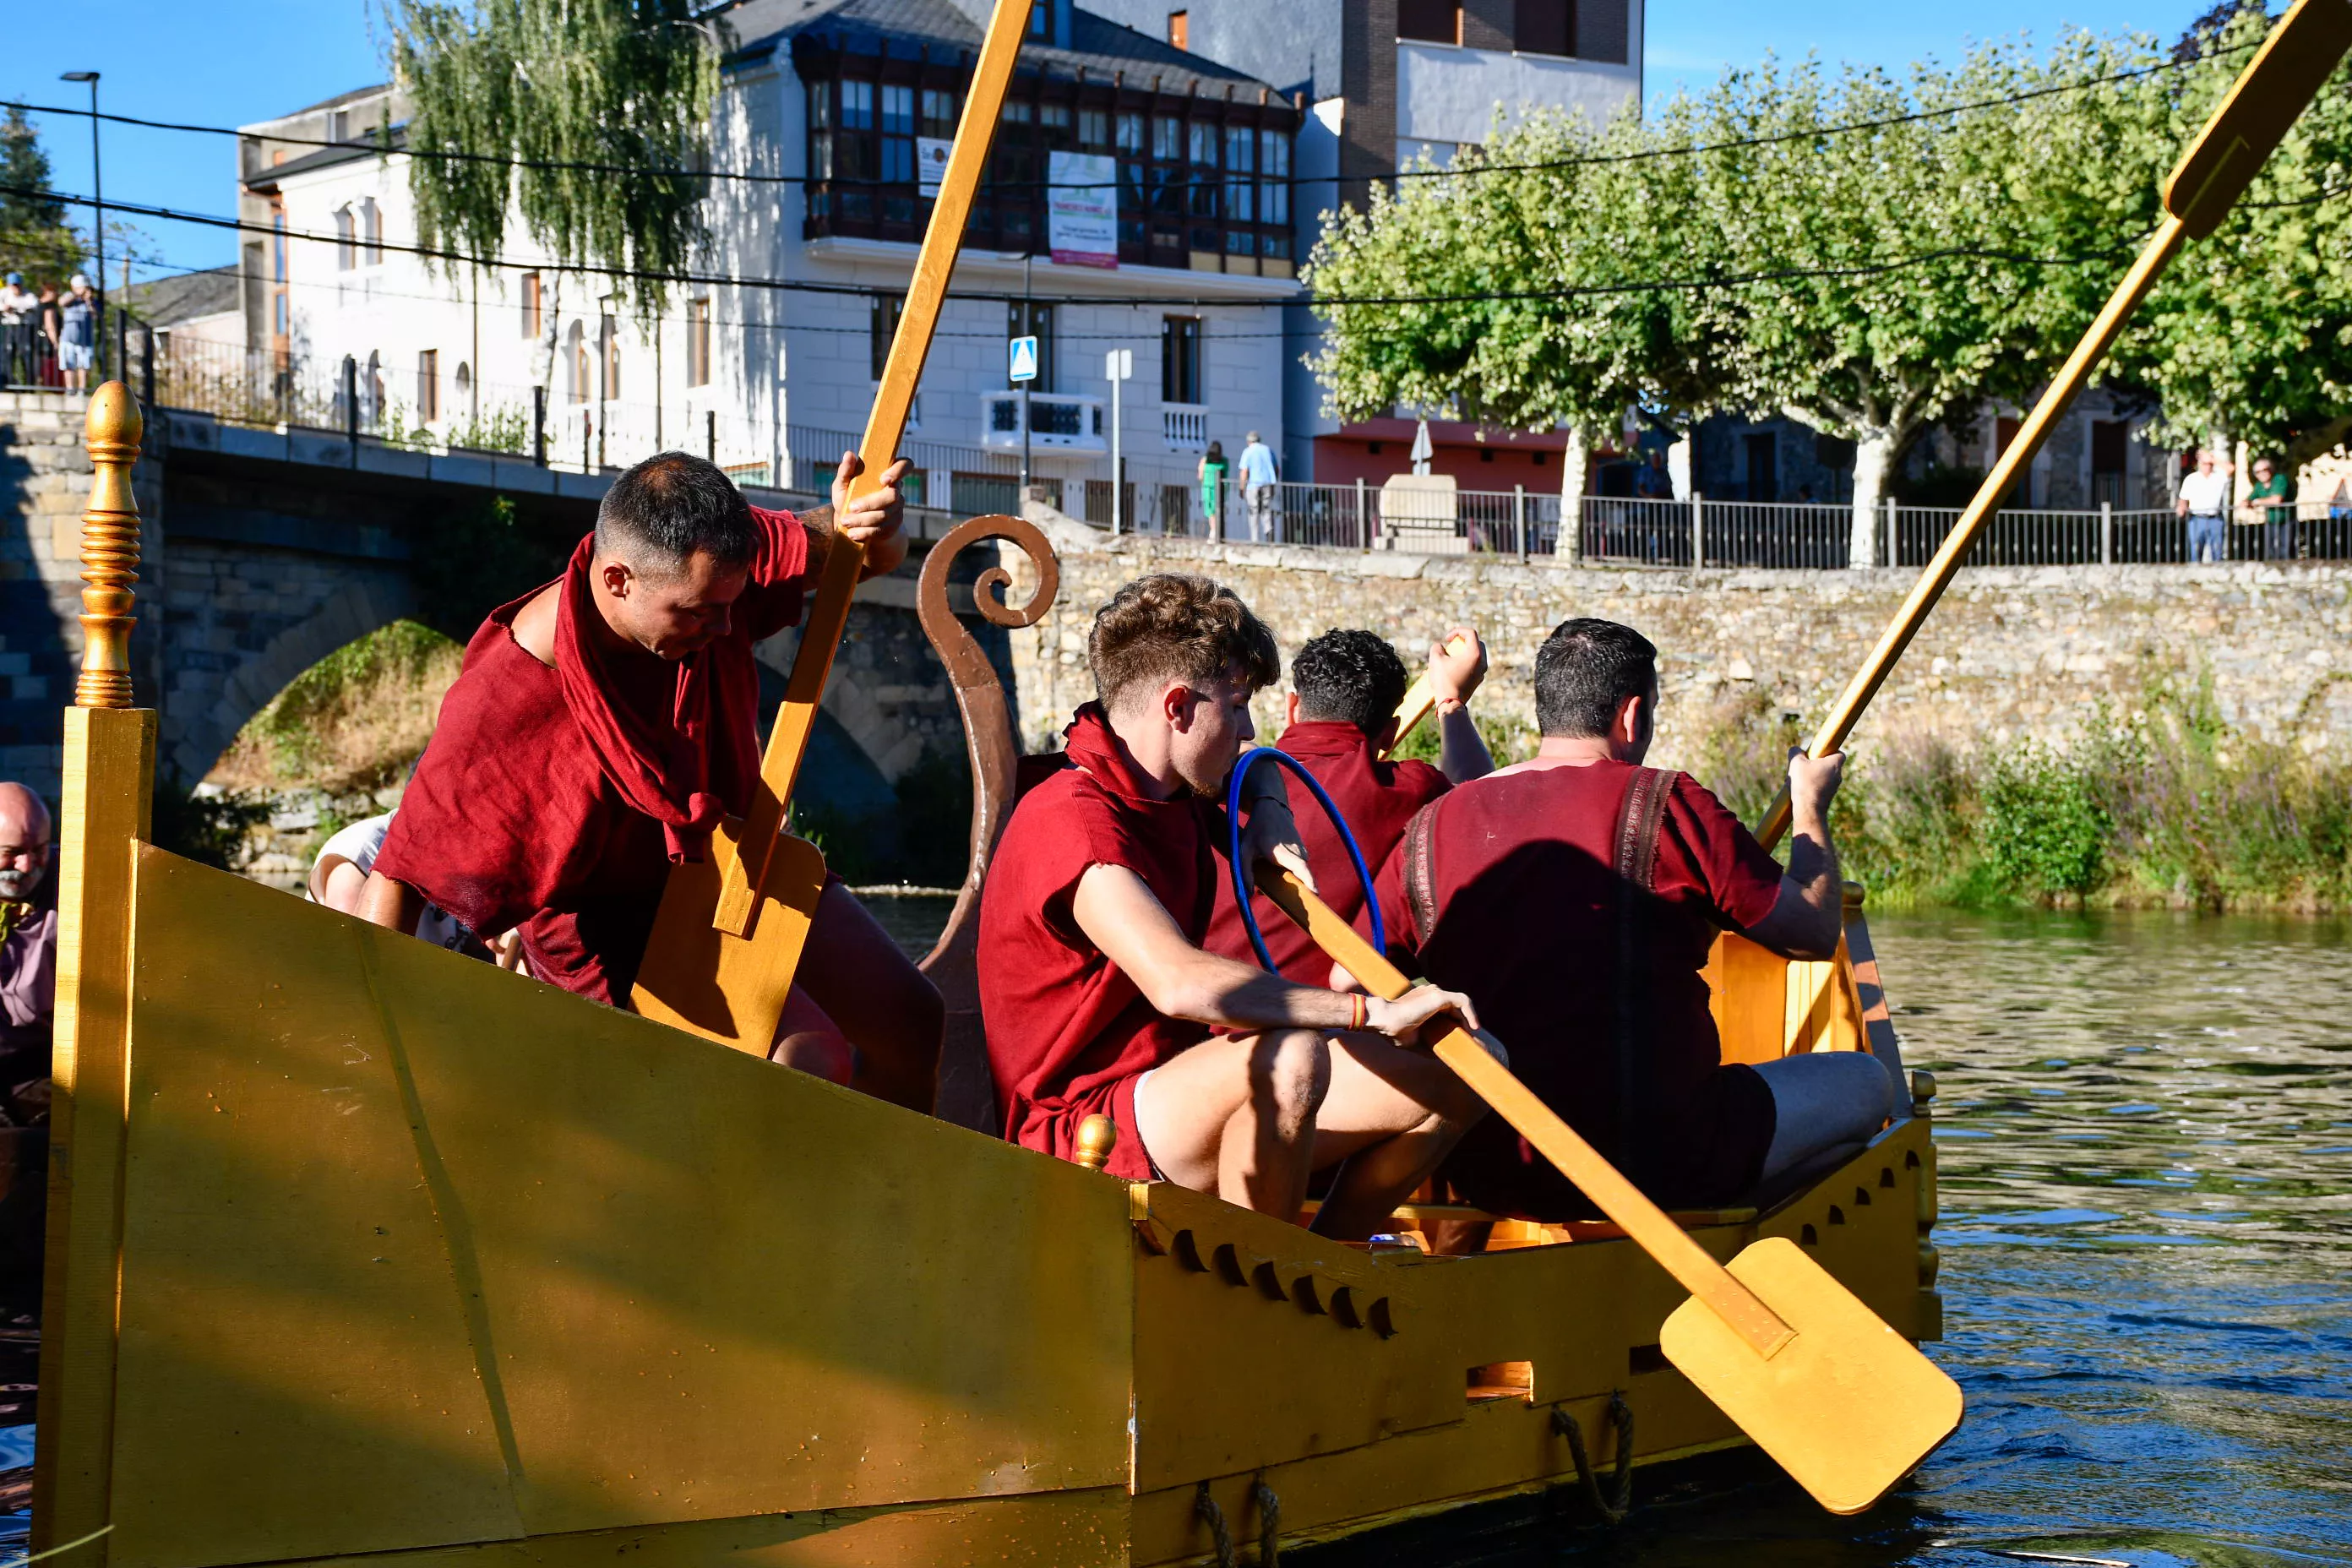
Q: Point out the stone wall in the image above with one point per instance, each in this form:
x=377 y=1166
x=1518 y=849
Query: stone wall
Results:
x=2010 y=652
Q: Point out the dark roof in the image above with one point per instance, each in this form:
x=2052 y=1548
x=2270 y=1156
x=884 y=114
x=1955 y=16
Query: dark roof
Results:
x=906 y=27
x=323 y=158
x=166 y=302
x=337 y=101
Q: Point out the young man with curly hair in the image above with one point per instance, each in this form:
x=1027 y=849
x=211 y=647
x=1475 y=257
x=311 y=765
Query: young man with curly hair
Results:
x=1095 y=990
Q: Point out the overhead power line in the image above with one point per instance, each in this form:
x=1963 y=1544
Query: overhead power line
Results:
x=1474 y=169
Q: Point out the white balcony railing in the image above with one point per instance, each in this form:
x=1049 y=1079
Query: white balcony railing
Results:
x=1185 y=429
x=1056 y=420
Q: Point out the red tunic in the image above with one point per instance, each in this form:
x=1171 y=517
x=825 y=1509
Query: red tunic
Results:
x=1068 y=1033
x=1377 y=798
x=555 y=800
x=1523 y=873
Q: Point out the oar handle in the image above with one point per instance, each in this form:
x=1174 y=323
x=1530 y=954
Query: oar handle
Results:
x=1690 y=1264
x=902 y=372
x=2292 y=65
x=1419 y=698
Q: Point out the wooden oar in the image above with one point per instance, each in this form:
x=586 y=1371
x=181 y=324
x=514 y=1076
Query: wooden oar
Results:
x=728 y=938
x=1847 y=1405
x=1419 y=698
x=2272 y=89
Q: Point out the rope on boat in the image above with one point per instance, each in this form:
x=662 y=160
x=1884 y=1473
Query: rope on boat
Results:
x=1615 y=1503
x=1269 y=1515
x=1204 y=1507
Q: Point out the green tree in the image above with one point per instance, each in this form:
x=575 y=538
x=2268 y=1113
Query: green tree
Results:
x=2248 y=336
x=35 y=238
x=541 y=88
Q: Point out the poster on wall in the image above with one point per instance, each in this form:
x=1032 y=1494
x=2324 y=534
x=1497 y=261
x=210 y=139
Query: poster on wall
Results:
x=931 y=162
x=1082 y=209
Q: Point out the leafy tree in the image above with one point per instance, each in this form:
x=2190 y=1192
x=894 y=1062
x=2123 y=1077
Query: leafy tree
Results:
x=35 y=238
x=541 y=88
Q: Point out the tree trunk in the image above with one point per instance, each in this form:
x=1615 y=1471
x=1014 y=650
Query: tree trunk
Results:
x=1574 y=461
x=1873 y=465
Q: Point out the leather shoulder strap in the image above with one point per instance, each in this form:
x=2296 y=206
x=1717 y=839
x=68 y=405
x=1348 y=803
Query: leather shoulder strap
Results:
x=1421 y=871
x=1637 y=853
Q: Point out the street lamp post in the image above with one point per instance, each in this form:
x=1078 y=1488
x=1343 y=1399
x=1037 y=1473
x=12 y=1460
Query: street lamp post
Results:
x=97 y=207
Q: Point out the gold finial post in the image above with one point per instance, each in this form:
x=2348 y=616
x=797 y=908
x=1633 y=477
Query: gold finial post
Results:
x=110 y=548
x=1097 y=1136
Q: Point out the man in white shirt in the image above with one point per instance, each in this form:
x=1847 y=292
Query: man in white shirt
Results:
x=20 y=310
x=1259 y=478
x=2204 y=502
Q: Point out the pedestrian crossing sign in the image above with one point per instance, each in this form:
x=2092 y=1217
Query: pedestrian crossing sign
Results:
x=1025 y=359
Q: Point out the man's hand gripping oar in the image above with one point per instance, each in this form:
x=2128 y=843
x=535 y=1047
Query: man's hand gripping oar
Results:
x=729 y=935
x=2282 y=77
x=1847 y=1405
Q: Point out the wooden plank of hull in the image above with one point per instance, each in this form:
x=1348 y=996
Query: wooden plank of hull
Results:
x=419 y=1251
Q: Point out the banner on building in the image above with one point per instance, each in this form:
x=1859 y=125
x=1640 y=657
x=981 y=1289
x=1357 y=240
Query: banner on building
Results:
x=1082 y=208
x=931 y=162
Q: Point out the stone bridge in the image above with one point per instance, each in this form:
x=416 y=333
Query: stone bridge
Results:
x=265 y=552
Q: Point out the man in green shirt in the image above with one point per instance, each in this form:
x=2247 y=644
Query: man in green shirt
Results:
x=2273 y=493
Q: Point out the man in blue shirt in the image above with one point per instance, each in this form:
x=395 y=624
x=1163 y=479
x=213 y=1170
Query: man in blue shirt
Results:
x=1259 y=478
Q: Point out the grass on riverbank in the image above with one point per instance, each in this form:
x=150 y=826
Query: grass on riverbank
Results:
x=354 y=720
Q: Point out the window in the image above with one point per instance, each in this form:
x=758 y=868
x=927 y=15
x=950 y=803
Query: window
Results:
x=465 y=384
x=1053 y=127
x=1179 y=28
x=347 y=251
x=608 y=338
x=533 y=322
x=697 y=342
x=575 y=361
x=854 y=154
x=1206 y=191
x=1035 y=320
x=1093 y=129
x=1430 y=21
x=1179 y=360
x=279 y=324
x=338 y=125
x=1041 y=19
x=2108 y=438
x=1241 y=190
x=887 y=310
x=899 y=154
x=1544 y=27
x=428 y=386
x=372 y=223
x=1273 y=167
x=938 y=112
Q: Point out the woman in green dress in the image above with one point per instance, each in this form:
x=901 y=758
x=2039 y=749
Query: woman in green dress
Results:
x=1212 y=489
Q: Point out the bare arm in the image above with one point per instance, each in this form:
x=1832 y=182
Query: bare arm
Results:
x=1809 y=916
x=1462 y=753
x=1119 y=915
x=393 y=905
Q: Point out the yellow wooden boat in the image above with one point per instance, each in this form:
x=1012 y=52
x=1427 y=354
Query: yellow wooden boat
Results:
x=361 y=1248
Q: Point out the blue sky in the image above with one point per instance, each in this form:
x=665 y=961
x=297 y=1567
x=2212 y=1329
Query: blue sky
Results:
x=222 y=62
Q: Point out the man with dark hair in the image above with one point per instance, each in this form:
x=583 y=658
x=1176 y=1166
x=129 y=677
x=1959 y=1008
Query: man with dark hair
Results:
x=1097 y=996
x=1576 y=895
x=603 y=724
x=1340 y=718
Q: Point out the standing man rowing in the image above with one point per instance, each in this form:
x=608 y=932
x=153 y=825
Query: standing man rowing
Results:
x=603 y=724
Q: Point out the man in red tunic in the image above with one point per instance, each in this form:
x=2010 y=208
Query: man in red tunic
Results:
x=1341 y=716
x=1576 y=895
x=1097 y=996
x=601 y=727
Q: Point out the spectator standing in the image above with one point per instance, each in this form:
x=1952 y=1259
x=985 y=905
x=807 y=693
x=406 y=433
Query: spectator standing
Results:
x=2272 y=503
x=45 y=328
x=1212 y=489
x=20 y=309
x=2204 y=500
x=1259 y=477
x=77 y=333
x=1651 y=481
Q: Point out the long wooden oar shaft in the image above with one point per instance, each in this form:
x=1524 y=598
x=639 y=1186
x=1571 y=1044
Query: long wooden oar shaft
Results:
x=1692 y=1266
x=844 y=560
x=2282 y=76
x=2160 y=250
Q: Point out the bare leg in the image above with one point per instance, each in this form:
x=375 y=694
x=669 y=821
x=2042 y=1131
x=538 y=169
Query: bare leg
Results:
x=1822 y=1100
x=883 y=1004
x=1236 y=1117
x=1392 y=1116
x=809 y=1040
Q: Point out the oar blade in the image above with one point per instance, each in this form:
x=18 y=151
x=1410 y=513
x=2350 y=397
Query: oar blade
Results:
x=1848 y=1408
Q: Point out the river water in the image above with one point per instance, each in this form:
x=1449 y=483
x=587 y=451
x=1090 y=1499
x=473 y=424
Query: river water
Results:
x=2144 y=1131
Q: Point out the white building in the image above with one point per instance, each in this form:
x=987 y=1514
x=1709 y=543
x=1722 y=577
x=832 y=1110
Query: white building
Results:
x=774 y=371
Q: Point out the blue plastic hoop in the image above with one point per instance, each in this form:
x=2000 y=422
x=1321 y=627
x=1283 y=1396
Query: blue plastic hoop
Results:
x=1242 y=889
